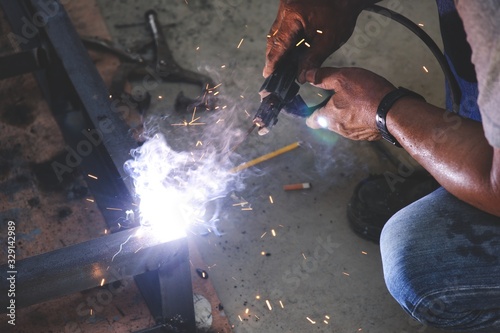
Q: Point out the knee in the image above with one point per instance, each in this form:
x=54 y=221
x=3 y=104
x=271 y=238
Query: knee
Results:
x=429 y=294
x=397 y=263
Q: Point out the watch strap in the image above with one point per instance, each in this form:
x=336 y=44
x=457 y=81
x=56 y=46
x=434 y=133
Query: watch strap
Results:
x=384 y=107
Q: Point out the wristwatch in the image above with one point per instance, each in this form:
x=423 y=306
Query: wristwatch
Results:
x=384 y=107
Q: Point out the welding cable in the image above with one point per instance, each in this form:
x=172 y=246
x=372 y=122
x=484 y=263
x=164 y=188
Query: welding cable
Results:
x=456 y=93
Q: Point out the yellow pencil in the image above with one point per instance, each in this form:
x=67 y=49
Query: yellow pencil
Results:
x=265 y=157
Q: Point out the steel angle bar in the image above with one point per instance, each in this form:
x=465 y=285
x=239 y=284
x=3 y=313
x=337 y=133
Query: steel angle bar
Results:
x=85 y=78
x=89 y=264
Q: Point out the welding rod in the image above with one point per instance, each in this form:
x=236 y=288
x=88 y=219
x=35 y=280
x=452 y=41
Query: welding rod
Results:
x=265 y=157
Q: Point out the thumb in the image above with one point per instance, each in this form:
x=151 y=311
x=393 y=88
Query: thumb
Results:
x=317 y=120
x=324 y=77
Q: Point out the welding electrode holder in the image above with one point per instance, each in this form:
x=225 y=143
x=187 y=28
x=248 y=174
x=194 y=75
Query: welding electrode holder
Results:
x=280 y=91
x=281 y=87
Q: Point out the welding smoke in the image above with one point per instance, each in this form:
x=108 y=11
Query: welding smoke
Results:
x=174 y=187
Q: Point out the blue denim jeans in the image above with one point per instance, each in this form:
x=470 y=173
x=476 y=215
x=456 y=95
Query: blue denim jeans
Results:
x=441 y=260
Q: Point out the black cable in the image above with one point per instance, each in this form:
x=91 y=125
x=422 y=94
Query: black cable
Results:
x=456 y=93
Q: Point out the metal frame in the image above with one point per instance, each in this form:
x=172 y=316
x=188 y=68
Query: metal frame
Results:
x=80 y=102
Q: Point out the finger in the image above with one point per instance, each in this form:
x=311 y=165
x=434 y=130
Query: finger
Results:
x=281 y=40
x=325 y=77
x=317 y=120
x=312 y=60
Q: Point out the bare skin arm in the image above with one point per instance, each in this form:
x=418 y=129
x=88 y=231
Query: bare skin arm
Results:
x=453 y=149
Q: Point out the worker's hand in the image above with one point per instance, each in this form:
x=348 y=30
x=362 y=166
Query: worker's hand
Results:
x=325 y=24
x=352 y=109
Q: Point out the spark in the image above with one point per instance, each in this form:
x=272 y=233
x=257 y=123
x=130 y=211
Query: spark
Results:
x=325 y=321
x=105 y=231
x=216 y=93
x=241 y=203
x=225 y=106
x=121 y=248
x=223 y=66
x=240 y=318
x=310 y=320
x=307 y=44
x=111 y=208
x=90 y=200
x=263 y=253
x=241 y=42
x=160 y=97
x=327 y=317
x=247 y=208
x=248 y=114
x=198 y=48
x=217 y=86
x=320 y=95
x=282 y=306
x=319 y=31
x=263 y=234
x=274 y=34
x=425 y=69
x=232 y=277
x=242 y=96
x=199 y=143
x=102 y=282
x=184 y=123
x=192 y=121
x=194 y=113
x=346 y=274
x=301 y=41
x=110 y=96
x=420 y=24
x=92 y=176
x=271 y=199
x=363 y=252
x=268 y=36
x=257 y=317
x=219 y=120
x=138 y=249
x=273 y=232
x=247 y=310
x=269 y=305
x=257 y=297
x=305 y=258
x=91 y=312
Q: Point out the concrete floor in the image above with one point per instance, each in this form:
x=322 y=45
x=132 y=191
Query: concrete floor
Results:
x=317 y=268
x=315 y=274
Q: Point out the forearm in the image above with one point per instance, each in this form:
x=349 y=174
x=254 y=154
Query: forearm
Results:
x=453 y=149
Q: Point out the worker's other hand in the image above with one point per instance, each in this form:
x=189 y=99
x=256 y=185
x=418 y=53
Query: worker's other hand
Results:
x=352 y=108
x=325 y=24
